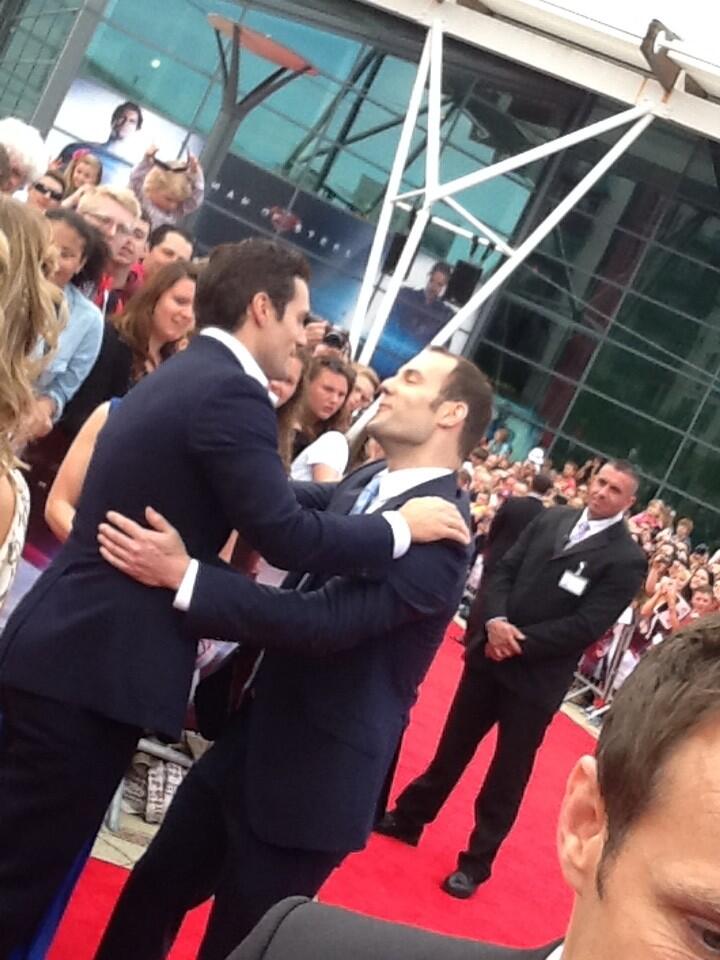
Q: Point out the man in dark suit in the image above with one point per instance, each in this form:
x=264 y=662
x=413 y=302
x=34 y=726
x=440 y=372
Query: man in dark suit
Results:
x=638 y=837
x=90 y=658
x=564 y=583
x=292 y=785
x=298 y=929
x=510 y=521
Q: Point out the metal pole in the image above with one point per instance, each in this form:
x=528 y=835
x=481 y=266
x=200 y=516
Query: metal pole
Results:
x=543 y=229
x=383 y=226
x=481 y=227
x=535 y=153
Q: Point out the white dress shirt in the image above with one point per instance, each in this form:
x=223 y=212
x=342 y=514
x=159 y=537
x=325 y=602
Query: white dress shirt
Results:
x=402 y=537
x=593 y=527
x=557 y=953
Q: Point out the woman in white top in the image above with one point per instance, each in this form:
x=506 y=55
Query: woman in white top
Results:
x=321 y=450
x=28 y=314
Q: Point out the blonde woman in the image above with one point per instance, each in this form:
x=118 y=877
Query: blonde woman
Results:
x=28 y=315
x=168 y=192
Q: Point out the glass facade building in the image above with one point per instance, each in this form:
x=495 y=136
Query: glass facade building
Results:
x=607 y=339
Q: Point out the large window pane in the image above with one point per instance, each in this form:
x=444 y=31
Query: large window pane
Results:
x=677 y=282
x=604 y=425
x=644 y=385
x=677 y=338
x=697 y=469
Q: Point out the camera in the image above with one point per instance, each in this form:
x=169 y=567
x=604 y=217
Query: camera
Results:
x=337 y=338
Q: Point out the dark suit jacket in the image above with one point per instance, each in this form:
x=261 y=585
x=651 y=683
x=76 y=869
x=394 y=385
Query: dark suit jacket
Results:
x=509 y=522
x=198 y=441
x=558 y=625
x=321 y=732
x=299 y=929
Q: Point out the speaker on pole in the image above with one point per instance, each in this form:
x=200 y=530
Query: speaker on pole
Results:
x=462 y=283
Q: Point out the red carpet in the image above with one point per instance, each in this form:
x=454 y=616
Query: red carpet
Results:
x=524 y=904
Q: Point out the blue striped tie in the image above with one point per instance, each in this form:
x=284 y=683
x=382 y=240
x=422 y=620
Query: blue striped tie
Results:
x=367 y=495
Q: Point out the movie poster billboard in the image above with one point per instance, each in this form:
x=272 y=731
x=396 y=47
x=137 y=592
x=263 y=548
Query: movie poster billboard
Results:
x=93 y=117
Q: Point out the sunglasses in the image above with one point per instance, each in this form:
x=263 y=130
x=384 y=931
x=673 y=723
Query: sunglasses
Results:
x=56 y=195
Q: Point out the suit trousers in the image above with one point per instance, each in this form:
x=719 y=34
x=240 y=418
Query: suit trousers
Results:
x=480 y=702
x=59 y=768
x=206 y=847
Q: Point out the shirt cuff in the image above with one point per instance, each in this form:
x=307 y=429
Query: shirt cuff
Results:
x=184 y=595
x=495 y=620
x=402 y=538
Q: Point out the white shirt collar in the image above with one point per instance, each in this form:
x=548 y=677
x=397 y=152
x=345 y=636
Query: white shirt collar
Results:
x=596 y=526
x=557 y=953
x=243 y=356
x=394 y=484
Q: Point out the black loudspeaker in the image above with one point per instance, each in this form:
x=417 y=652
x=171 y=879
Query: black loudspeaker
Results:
x=393 y=252
x=463 y=280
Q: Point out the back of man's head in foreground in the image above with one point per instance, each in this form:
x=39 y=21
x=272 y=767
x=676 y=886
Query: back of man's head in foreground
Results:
x=639 y=832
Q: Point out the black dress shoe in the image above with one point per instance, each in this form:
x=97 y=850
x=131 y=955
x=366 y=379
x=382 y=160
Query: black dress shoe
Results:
x=391 y=825
x=460 y=885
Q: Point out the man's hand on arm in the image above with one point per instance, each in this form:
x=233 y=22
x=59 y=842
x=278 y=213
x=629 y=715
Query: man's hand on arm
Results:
x=503 y=640
x=155 y=556
x=432 y=518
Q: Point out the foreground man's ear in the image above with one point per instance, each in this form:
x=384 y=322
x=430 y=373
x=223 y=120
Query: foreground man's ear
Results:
x=581 y=827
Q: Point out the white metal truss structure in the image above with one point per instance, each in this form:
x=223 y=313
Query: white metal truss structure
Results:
x=647 y=98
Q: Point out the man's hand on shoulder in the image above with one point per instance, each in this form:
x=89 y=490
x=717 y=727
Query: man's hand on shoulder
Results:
x=155 y=556
x=432 y=518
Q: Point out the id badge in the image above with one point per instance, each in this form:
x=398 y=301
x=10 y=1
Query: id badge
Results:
x=574 y=582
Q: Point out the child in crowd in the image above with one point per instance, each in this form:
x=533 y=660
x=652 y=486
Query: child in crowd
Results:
x=167 y=191
x=84 y=169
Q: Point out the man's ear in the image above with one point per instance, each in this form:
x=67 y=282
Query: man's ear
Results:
x=581 y=827
x=453 y=412
x=260 y=309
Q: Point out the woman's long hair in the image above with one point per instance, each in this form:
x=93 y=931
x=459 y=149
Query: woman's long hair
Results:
x=310 y=427
x=134 y=324
x=287 y=416
x=28 y=314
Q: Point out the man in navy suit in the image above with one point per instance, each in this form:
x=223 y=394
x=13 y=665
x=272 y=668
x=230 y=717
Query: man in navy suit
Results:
x=292 y=786
x=90 y=658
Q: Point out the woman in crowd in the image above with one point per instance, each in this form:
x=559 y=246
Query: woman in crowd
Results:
x=136 y=341
x=80 y=253
x=27 y=315
x=26 y=151
x=367 y=384
x=46 y=192
x=288 y=394
x=321 y=450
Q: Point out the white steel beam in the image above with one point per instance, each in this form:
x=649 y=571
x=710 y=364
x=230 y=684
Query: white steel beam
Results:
x=574 y=64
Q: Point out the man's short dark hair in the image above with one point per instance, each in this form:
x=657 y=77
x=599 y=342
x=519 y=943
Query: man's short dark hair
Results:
x=672 y=692
x=441 y=267
x=118 y=112
x=541 y=483
x=236 y=272
x=624 y=466
x=159 y=233
x=468 y=384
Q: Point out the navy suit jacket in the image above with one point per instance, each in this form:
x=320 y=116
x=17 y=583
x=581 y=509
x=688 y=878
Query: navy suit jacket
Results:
x=311 y=753
x=299 y=929
x=198 y=441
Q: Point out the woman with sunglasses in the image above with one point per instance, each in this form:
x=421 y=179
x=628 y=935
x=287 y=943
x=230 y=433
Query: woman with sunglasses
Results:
x=46 y=192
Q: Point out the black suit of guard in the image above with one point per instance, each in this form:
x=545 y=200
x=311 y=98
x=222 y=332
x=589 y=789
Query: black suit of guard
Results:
x=90 y=658
x=521 y=694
